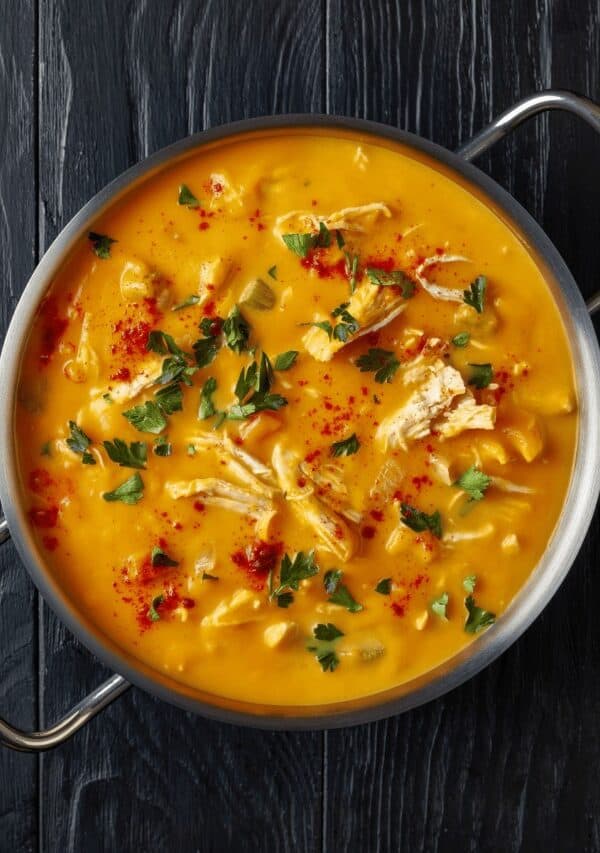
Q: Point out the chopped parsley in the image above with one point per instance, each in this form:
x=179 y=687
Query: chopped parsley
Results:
x=338 y=592
x=384 y=586
x=481 y=375
x=420 y=521
x=191 y=450
x=339 y=238
x=190 y=300
x=462 y=339
x=152 y=613
x=258 y=377
x=346 y=447
x=301 y=244
x=259 y=402
x=325 y=636
x=351 y=269
x=147 y=417
x=394 y=278
x=206 y=576
x=475 y=296
x=469 y=583
x=474 y=482
x=285 y=360
x=163 y=344
x=101 y=244
x=272 y=271
x=478 y=619
x=132 y=456
x=80 y=443
x=347 y=325
x=380 y=361
x=236 y=331
x=159 y=558
x=291 y=572
x=438 y=606
x=46 y=450
x=206 y=348
x=129 y=492
x=207 y=407
x=170 y=398
x=162 y=446
x=186 y=197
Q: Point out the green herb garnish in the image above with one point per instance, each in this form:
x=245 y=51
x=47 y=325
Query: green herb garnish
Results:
x=481 y=375
x=351 y=269
x=80 y=443
x=129 y=492
x=347 y=447
x=291 y=572
x=338 y=592
x=101 y=244
x=147 y=417
x=207 y=407
x=162 y=446
x=478 y=619
x=475 y=296
x=393 y=278
x=420 y=521
x=132 y=456
x=380 y=361
x=438 y=606
x=159 y=558
x=474 y=482
x=285 y=360
x=462 y=339
x=272 y=271
x=324 y=649
x=469 y=583
x=186 y=197
x=188 y=302
x=153 y=614
x=170 y=398
x=384 y=586
x=236 y=331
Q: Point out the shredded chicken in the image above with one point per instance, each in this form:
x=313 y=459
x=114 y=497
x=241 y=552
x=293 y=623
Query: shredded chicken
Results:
x=85 y=363
x=248 y=469
x=244 y=606
x=357 y=218
x=447 y=294
x=216 y=492
x=466 y=414
x=371 y=306
x=330 y=528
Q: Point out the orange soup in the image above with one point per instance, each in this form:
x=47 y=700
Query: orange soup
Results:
x=297 y=419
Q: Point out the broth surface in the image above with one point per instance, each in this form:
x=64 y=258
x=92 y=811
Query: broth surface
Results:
x=337 y=528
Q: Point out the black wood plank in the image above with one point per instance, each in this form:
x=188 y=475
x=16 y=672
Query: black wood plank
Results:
x=120 y=81
x=509 y=761
x=18 y=636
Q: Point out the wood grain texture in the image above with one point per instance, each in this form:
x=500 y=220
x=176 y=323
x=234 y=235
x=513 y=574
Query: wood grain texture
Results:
x=120 y=81
x=508 y=762
x=18 y=636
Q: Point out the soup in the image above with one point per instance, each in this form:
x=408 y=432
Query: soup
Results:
x=297 y=419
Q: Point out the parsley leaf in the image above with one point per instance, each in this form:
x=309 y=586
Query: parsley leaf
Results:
x=300 y=244
x=478 y=618
x=481 y=375
x=152 y=613
x=133 y=456
x=80 y=443
x=264 y=377
x=324 y=649
x=339 y=592
x=129 y=492
x=236 y=331
x=246 y=381
x=469 y=583
x=438 y=606
x=159 y=558
x=474 y=482
x=462 y=339
x=272 y=271
x=169 y=399
x=206 y=576
x=351 y=269
x=163 y=344
x=291 y=572
x=207 y=407
x=394 y=278
x=162 y=447
x=258 y=402
x=384 y=586
x=383 y=362
x=186 y=197
x=420 y=521
x=101 y=244
x=475 y=296
x=205 y=350
x=347 y=326
x=147 y=417
x=193 y=299
x=347 y=447
x=285 y=360
x=322 y=324
x=339 y=237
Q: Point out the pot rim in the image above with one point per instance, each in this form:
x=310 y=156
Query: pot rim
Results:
x=544 y=580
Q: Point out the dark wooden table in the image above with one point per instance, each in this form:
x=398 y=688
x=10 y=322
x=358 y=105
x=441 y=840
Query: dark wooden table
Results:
x=510 y=761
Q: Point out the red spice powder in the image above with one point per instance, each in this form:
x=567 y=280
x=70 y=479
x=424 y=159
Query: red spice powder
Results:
x=41 y=517
x=50 y=543
x=368 y=532
x=310 y=457
x=39 y=480
x=53 y=328
x=257 y=560
x=377 y=514
x=121 y=375
x=316 y=261
x=204 y=226
x=399 y=607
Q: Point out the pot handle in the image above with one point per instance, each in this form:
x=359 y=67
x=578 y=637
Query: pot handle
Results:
x=552 y=99
x=77 y=717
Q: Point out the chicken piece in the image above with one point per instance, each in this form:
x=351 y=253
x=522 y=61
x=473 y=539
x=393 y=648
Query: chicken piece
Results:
x=480 y=324
x=212 y=275
x=332 y=531
x=259 y=426
x=413 y=420
x=446 y=294
x=466 y=414
x=279 y=634
x=483 y=532
x=333 y=491
x=359 y=218
x=225 y=193
x=525 y=434
x=244 y=606
x=388 y=480
x=85 y=364
x=404 y=541
x=510 y=544
x=259 y=477
x=221 y=493
x=137 y=281
x=371 y=306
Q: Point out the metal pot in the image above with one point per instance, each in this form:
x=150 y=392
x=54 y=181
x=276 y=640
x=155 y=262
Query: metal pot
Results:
x=543 y=582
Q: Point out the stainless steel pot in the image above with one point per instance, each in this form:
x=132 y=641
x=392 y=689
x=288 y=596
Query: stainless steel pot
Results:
x=541 y=586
